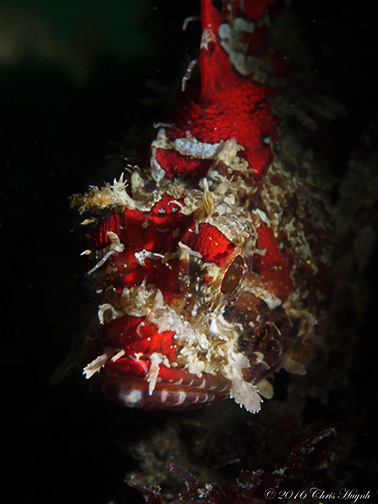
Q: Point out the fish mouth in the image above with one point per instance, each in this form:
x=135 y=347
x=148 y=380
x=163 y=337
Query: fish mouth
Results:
x=180 y=391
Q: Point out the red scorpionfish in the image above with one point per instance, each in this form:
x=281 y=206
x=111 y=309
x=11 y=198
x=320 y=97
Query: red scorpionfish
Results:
x=209 y=267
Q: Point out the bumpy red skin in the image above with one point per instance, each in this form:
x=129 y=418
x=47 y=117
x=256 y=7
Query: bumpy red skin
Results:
x=230 y=106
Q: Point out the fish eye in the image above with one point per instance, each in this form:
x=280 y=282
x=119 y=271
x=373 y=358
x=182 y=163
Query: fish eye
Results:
x=233 y=275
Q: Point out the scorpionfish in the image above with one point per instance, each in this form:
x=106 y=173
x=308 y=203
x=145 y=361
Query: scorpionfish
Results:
x=209 y=266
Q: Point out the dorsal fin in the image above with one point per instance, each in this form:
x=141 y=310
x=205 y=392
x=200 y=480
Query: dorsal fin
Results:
x=223 y=30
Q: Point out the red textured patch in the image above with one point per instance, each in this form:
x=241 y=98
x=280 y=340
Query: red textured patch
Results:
x=145 y=230
x=129 y=366
x=211 y=243
x=99 y=238
x=176 y=164
x=273 y=266
x=146 y=236
x=242 y=113
x=130 y=334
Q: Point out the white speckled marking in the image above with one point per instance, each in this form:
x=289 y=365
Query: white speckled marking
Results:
x=132 y=397
x=202 y=384
x=164 y=395
x=181 y=397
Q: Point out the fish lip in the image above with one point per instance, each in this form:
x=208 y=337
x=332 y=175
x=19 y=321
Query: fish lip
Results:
x=133 y=392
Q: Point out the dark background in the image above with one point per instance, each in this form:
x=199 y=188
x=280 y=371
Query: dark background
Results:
x=75 y=76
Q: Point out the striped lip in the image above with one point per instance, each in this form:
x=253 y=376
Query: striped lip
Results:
x=186 y=392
